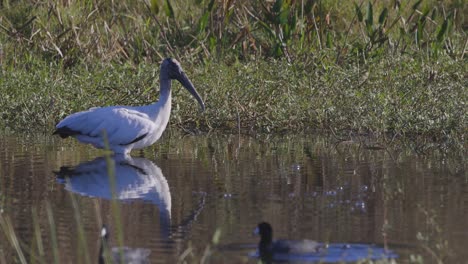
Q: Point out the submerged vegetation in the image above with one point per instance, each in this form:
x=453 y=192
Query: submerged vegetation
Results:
x=395 y=69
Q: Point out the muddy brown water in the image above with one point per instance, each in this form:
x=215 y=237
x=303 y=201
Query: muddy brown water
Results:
x=172 y=197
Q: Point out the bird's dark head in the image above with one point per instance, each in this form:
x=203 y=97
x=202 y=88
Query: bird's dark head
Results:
x=173 y=68
x=265 y=231
x=170 y=68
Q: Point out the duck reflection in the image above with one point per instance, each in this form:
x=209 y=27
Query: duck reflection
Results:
x=135 y=178
x=120 y=254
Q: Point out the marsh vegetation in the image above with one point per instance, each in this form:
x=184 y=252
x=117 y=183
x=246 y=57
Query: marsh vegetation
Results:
x=388 y=68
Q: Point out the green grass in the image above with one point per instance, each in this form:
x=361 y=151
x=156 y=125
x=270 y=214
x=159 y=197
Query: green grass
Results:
x=396 y=97
x=380 y=68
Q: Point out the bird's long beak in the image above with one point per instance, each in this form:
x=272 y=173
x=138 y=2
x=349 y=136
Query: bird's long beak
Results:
x=185 y=81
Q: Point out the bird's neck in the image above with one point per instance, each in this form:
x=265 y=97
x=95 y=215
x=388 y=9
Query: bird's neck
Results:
x=266 y=240
x=161 y=108
x=165 y=92
x=102 y=249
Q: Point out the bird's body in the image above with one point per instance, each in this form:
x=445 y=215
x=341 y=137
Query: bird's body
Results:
x=294 y=246
x=128 y=127
x=309 y=251
x=270 y=249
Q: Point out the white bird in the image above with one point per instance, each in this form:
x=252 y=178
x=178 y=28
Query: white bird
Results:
x=128 y=127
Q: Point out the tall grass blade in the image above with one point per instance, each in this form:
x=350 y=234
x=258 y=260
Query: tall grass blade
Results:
x=37 y=234
x=7 y=227
x=370 y=21
x=442 y=31
x=154 y=7
x=211 y=5
x=308 y=7
x=329 y=42
x=53 y=233
x=383 y=16
x=419 y=33
x=81 y=232
x=169 y=10
x=358 y=11
x=416 y=5
x=203 y=22
x=112 y=182
x=370 y=14
x=434 y=14
x=277 y=6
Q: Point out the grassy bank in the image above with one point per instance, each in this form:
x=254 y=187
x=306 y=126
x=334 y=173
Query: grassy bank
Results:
x=390 y=69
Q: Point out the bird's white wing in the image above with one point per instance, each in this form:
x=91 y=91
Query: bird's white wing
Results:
x=122 y=125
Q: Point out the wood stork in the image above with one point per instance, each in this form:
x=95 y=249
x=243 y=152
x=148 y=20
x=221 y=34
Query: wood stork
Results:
x=128 y=127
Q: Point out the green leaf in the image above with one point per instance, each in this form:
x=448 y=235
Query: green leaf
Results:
x=211 y=5
x=283 y=16
x=442 y=30
x=169 y=10
x=370 y=15
x=286 y=33
x=329 y=42
x=383 y=16
x=278 y=51
x=416 y=5
x=203 y=22
x=213 y=43
x=419 y=33
x=308 y=7
x=293 y=22
x=154 y=6
x=434 y=14
x=277 y=6
x=402 y=32
x=269 y=30
x=450 y=22
x=358 y=12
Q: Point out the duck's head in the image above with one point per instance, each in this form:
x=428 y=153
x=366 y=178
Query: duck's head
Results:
x=265 y=231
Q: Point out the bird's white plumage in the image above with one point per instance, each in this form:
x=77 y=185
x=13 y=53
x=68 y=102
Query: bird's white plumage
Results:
x=128 y=127
x=123 y=124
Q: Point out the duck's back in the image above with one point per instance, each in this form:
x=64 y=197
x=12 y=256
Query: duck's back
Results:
x=297 y=246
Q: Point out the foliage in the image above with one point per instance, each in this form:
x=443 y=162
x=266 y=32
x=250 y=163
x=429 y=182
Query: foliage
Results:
x=390 y=68
x=398 y=97
x=82 y=31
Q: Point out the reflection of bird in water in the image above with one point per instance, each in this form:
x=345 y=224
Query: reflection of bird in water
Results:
x=128 y=127
x=120 y=255
x=135 y=178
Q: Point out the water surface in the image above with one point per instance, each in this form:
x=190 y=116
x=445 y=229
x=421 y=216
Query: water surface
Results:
x=172 y=197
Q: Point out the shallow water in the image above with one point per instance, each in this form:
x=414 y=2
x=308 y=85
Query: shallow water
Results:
x=172 y=197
